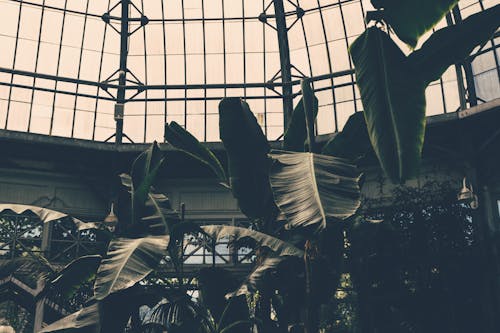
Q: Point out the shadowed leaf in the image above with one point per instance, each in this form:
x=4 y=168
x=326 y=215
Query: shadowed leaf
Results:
x=392 y=86
x=157 y=214
x=46 y=215
x=73 y=275
x=246 y=148
x=296 y=134
x=184 y=141
x=410 y=19
x=394 y=103
x=279 y=247
x=144 y=171
x=84 y=320
x=453 y=44
x=353 y=142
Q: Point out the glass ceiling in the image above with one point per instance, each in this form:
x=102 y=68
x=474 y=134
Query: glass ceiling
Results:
x=60 y=64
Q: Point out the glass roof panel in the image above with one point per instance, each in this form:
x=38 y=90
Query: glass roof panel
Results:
x=60 y=61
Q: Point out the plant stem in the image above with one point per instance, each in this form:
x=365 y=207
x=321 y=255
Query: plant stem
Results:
x=308 y=100
x=310 y=322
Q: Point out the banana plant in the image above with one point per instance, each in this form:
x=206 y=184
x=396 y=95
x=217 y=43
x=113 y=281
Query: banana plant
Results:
x=307 y=192
x=131 y=259
x=392 y=84
x=147 y=221
x=410 y=19
x=149 y=230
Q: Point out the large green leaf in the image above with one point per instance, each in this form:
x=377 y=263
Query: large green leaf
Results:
x=393 y=86
x=236 y=317
x=311 y=189
x=453 y=44
x=213 y=284
x=127 y=262
x=157 y=214
x=280 y=250
x=144 y=171
x=310 y=104
x=47 y=215
x=257 y=278
x=296 y=134
x=394 y=103
x=181 y=139
x=73 y=275
x=246 y=148
x=108 y=316
x=277 y=246
x=85 y=320
x=410 y=19
x=38 y=266
x=352 y=142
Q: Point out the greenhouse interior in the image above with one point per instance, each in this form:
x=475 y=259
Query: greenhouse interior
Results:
x=253 y=166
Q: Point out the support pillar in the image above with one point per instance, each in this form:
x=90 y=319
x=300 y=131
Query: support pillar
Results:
x=286 y=68
x=40 y=304
x=122 y=72
x=469 y=74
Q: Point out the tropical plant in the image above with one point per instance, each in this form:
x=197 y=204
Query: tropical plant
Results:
x=150 y=232
x=392 y=84
x=299 y=196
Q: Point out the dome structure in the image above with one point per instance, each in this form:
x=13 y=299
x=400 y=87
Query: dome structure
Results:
x=97 y=70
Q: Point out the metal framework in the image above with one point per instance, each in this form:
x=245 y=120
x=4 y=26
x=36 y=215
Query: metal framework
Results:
x=60 y=242
x=135 y=90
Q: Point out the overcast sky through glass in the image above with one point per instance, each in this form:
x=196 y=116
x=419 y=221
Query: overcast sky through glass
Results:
x=195 y=47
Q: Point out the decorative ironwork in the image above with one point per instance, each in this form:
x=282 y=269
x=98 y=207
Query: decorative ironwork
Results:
x=22 y=235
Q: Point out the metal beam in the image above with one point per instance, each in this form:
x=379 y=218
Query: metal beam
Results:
x=122 y=72
x=286 y=69
x=106 y=85
x=55 y=78
x=40 y=284
x=469 y=74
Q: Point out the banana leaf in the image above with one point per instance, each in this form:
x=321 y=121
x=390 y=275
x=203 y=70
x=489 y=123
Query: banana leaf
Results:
x=392 y=86
x=236 y=317
x=310 y=114
x=108 y=316
x=157 y=214
x=47 y=215
x=246 y=148
x=280 y=251
x=144 y=171
x=277 y=246
x=453 y=44
x=311 y=189
x=127 y=262
x=410 y=19
x=67 y=281
x=187 y=143
x=394 y=103
x=85 y=320
x=213 y=284
x=38 y=266
x=257 y=278
x=352 y=142
x=296 y=134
